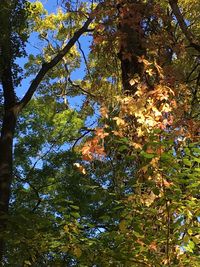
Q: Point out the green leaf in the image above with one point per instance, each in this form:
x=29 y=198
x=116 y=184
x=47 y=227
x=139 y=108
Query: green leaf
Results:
x=74 y=207
x=156 y=191
x=122 y=148
x=75 y=214
x=147 y=155
x=196 y=159
x=190 y=247
x=186 y=238
x=196 y=239
x=187 y=162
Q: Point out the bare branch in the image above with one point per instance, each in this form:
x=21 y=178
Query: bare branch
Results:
x=77 y=85
x=80 y=137
x=190 y=37
x=84 y=57
x=48 y=66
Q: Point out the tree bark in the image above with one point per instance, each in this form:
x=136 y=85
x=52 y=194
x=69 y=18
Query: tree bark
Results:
x=7 y=135
x=8 y=122
x=6 y=164
x=11 y=110
x=131 y=45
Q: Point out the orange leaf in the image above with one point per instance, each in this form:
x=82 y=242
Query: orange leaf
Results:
x=149 y=150
x=88 y=157
x=100 y=133
x=153 y=246
x=167 y=184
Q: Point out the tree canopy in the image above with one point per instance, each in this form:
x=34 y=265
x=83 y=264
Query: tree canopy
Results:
x=99 y=145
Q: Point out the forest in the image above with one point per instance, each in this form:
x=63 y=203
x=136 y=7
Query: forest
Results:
x=100 y=129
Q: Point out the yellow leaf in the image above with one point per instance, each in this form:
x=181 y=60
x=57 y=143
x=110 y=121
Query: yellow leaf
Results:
x=166 y=108
x=80 y=168
x=150 y=72
x=136 y=145
x=148 y=199
x=119 y=121
x=122 y=226
x=77 y=252
x=196 y=239
x=145 y=169
x=27 y=263
x=133 y=81
x=150 y=122
x=156 y=111
x=66 y=228
x=104 y=112
x=154 y=162
x=140 y=132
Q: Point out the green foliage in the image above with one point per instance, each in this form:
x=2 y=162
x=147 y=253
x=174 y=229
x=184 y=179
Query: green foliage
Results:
x=133 y=200
x=14 y=34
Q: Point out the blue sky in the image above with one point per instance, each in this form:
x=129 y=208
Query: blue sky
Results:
x=51 y=6
x=31 y=48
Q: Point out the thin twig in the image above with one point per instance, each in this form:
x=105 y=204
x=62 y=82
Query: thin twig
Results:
x=182 y=24
x=84 y=57
x=77 y=85
x=48 y=66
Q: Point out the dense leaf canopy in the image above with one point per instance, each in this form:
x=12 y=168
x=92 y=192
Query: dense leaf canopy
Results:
x=99 y=146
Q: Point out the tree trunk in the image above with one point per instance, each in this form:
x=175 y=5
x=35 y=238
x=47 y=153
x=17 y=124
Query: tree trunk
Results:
x=131 y=43
x=7 y=131
x=6 y=161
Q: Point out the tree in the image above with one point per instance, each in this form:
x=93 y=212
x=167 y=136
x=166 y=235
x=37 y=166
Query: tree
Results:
x=132 y=199
x=12 y=46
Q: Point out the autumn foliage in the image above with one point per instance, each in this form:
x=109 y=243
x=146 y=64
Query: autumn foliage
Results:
x=105 y=170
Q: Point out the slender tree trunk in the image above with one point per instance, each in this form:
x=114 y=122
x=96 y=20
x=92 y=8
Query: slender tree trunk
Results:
x=6 y=159
x=7 y=133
